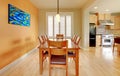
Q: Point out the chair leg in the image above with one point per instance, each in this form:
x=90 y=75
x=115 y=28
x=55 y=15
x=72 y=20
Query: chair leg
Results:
x=49 y=71
x=113 y=47
x=76 y=67
x=67 y=71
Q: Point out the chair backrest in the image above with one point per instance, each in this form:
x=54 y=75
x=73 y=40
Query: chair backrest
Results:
x=74 y=38
x=58 y=47
x=77 y=40
x=46 y=37
x=40 y=40
x=59 y=36
x=43 y=37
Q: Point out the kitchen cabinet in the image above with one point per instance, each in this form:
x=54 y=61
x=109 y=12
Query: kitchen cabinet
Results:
x=101 y=16
x=107 y=16
x=117 y=22
x=98 y=40
x=93 y=18
x=104 y=16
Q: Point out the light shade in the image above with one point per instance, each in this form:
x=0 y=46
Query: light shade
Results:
x=58 y=17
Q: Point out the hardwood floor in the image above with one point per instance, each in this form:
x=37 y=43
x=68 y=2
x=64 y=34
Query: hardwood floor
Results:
x=93 y=62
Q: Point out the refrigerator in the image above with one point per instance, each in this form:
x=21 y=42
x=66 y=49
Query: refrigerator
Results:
x=92 y=35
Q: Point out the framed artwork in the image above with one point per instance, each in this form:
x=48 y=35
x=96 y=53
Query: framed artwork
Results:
x=18 y=17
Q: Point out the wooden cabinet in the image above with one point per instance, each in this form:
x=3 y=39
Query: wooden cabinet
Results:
x=116 y=20
x=101 y=16
x=93 y=18
x=104 y=16
x=98 y=40
x=107 y=16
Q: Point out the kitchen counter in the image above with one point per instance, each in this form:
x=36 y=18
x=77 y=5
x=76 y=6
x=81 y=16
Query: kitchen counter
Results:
x=98 y=40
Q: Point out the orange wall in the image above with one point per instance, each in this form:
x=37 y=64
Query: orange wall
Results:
x=16 y=40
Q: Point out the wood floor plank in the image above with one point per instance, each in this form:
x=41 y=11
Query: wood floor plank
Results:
x=93 y=62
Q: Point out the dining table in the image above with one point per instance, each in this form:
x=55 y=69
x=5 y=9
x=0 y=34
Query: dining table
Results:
x=72 y=47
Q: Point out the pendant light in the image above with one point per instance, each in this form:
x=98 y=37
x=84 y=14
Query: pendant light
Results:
x=58 y=15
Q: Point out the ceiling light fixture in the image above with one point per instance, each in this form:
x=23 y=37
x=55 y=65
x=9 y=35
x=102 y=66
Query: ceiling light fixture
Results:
x=107 y=10
x=95 y=7
x=58 y=15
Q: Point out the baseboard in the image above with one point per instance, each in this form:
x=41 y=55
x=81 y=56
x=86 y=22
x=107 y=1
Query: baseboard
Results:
x=84 y=48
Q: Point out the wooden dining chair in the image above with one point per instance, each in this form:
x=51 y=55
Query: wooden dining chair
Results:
x=43 y=38
x=59 y=36
x=41 y=41
x=77 y=40
x=72 y=54
x=58 y=55
x=44 y=52
x=46 y=37
x=72 y=39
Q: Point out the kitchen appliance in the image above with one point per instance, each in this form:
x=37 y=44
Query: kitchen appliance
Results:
x=92 y=35
x=107 y=40
x=106 y=22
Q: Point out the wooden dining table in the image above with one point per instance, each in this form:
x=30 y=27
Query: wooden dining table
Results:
x=71 y=47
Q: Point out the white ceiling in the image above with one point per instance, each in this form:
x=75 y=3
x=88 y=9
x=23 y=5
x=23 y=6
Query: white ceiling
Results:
x=43 y=4
x=111 y=5
x=103 y=5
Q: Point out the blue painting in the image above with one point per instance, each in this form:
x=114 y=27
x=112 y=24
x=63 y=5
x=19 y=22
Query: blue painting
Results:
x=17 y=16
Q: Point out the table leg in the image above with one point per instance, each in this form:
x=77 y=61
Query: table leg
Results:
x=40 y=61
x=113 y=46
x=77 y=63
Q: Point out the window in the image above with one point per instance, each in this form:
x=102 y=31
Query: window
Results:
x=64 y=27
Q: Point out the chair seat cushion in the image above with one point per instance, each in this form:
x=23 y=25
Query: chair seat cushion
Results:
x=71 y=54
x=55 y=59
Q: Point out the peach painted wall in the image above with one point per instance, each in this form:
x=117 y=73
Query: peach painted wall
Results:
x=17 y=40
